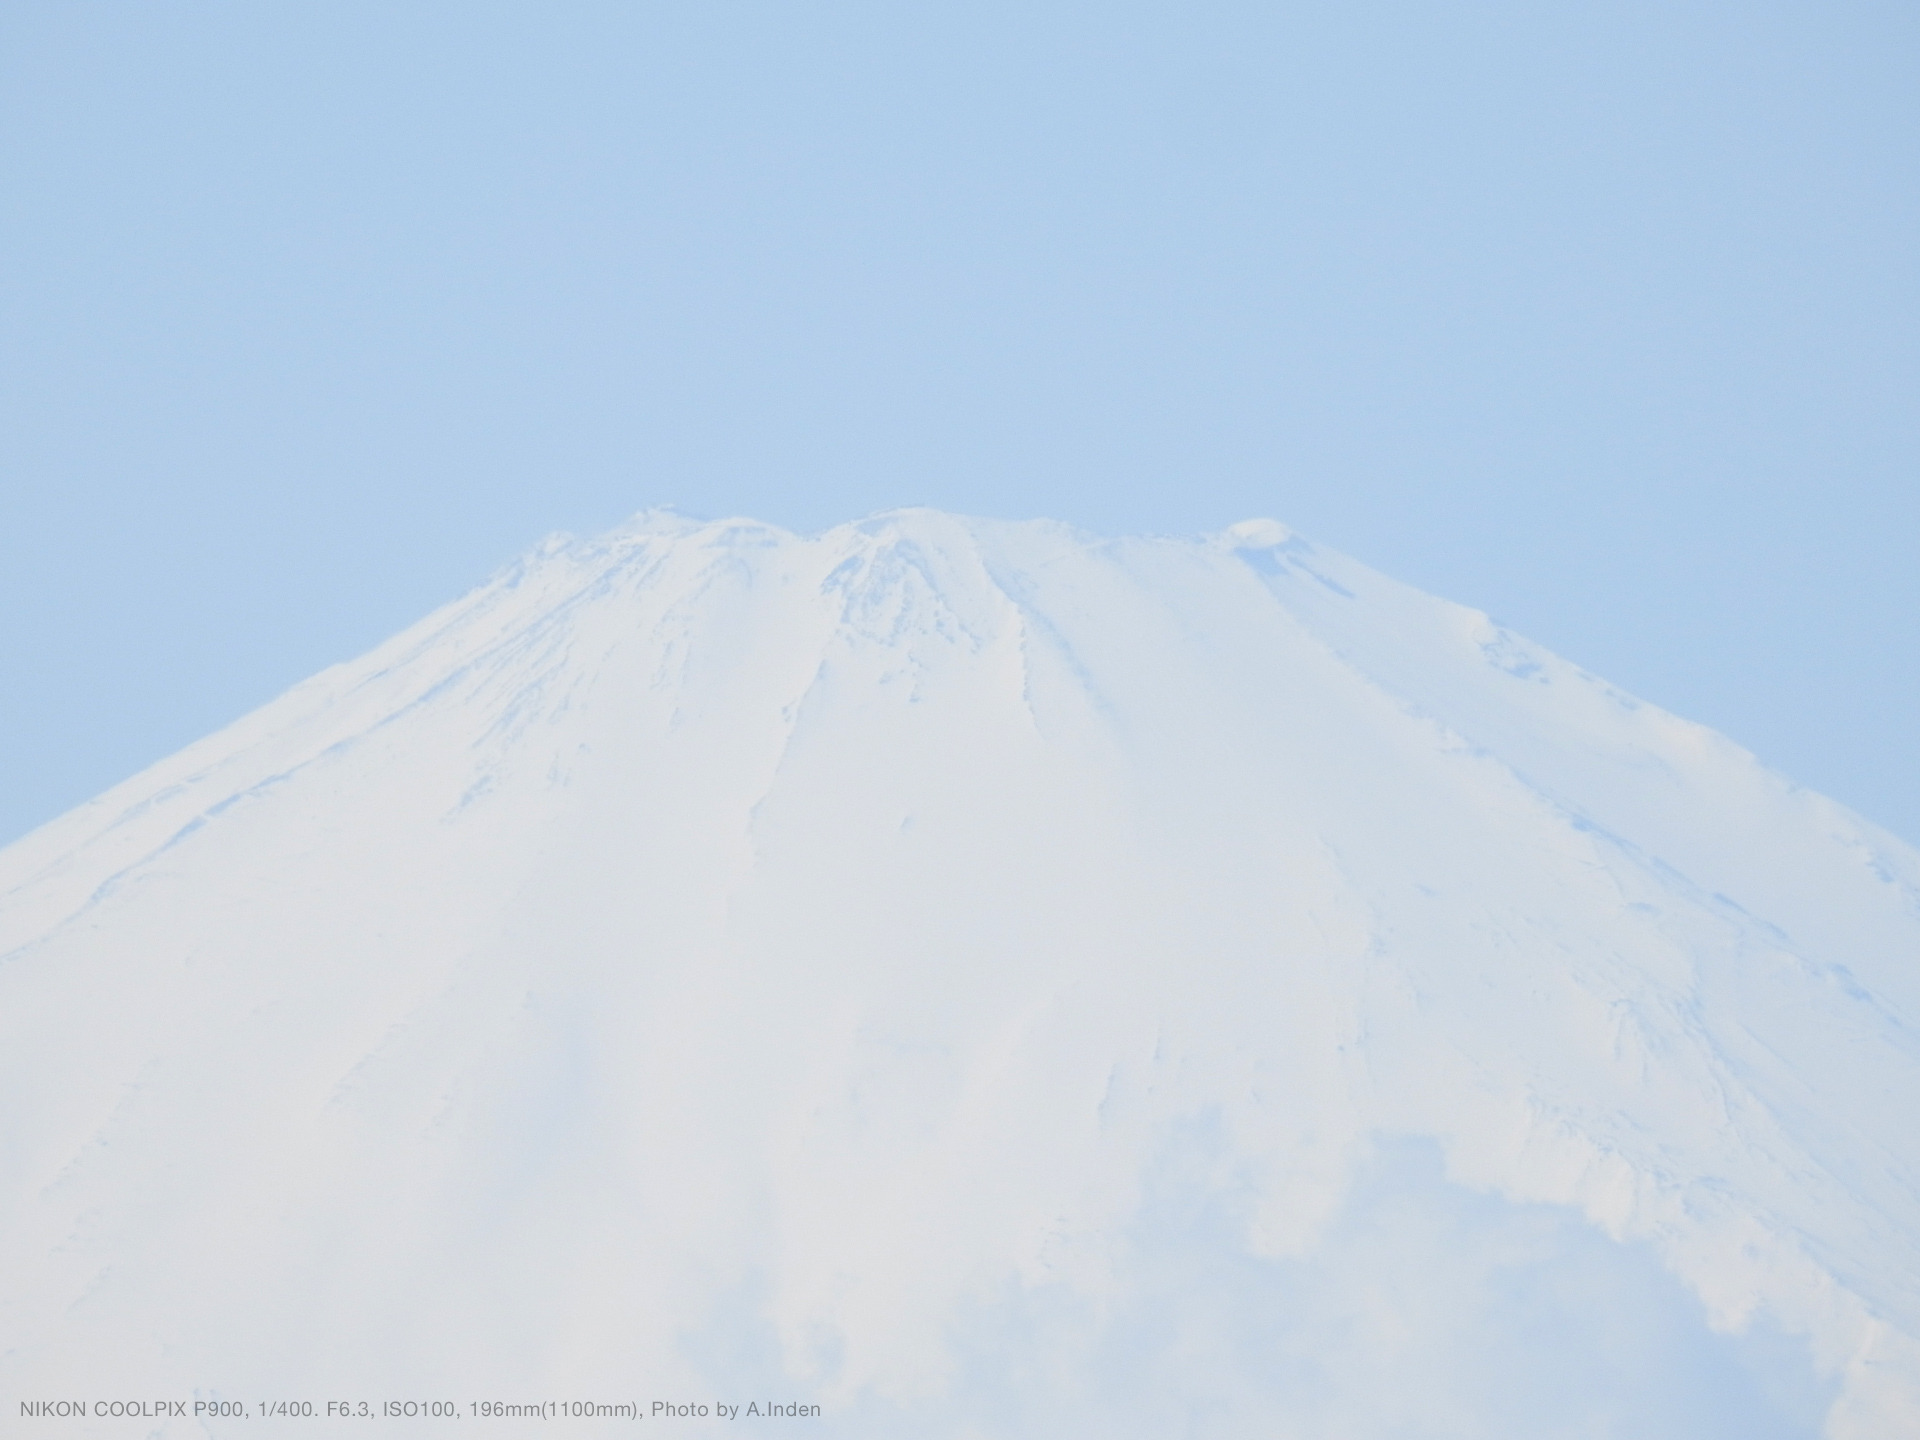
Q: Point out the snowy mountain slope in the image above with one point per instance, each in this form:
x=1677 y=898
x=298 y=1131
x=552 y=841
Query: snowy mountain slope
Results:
x=983 y=979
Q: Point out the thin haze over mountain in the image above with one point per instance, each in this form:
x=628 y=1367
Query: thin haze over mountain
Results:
x=980 y=979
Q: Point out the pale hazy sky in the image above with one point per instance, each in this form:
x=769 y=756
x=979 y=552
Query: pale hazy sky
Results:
x=1603 y=318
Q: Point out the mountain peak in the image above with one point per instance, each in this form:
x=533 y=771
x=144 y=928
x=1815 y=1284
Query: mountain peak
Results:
x=949 y=969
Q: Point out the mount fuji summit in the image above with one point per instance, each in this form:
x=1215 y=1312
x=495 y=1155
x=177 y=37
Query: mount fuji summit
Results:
x=952 y=978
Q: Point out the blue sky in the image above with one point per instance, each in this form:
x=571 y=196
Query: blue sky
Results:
x=1603 y=318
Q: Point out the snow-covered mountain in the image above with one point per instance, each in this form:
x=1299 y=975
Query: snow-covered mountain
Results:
x=980 y=979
